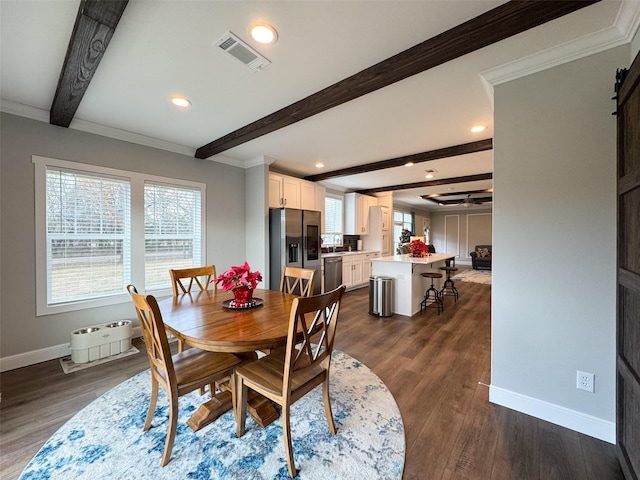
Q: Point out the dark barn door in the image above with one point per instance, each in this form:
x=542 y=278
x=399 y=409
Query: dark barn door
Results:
x=628 y=302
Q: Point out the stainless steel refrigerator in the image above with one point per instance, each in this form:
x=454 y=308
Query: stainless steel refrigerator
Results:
x=294 y=241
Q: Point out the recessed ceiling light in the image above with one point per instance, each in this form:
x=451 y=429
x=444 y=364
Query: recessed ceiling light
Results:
x=263 y=33
x=478 y=128
x=319 y=165
x=408 y=164
x=181 y=101
x=429 y=175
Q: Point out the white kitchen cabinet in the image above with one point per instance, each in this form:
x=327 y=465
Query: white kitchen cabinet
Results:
x=366 y=265
x=307 y=195
x=379 y=238
x=386 y=218
x=320 y=193
x=356 y=269
x=357 y=213
x=386 y=243
x=292 y=192
x=356 y=273
x=347 y=268
x=276 y=191
x=352 y=271
x=284 y=191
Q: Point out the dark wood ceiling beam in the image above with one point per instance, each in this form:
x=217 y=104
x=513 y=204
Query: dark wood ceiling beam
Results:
x=436 y=196
x=431 y=183
x=95 y=23
x=447 y=152
x=497 y=24
x=458 y=202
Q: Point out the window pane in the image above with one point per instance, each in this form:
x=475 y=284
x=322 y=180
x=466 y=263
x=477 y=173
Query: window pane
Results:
x=172 y=224
x=401 y=221
x=88 y=224
x=333 y=215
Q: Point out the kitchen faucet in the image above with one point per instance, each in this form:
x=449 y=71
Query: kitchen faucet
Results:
x=336 y=240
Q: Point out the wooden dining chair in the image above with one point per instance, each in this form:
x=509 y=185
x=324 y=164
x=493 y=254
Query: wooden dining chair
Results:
x=178 y=374
x=200 y=276
x=302 y=278
x=287 y=374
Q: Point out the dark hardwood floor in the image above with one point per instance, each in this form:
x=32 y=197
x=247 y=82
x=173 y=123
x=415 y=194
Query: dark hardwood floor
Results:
x=437 y=368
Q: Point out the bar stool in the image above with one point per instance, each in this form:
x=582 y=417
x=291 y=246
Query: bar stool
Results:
x=449 y=288
x=432 y=294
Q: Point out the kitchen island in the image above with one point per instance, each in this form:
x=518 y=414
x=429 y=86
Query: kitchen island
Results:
x=409 y=286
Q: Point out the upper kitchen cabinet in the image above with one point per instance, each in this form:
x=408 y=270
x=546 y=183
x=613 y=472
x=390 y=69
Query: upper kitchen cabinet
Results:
x=385 y=213
x=292 y=192
x=379 y=237
x=312 y=198
x=320 y=193
x=284 y=191
x=356 y=207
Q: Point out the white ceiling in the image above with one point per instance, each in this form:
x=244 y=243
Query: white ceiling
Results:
x=164 y=48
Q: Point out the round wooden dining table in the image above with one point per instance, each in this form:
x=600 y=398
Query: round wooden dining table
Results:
x=201 y=320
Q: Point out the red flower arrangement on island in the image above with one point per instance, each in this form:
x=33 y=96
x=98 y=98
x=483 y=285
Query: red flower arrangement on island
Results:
x=419 y=249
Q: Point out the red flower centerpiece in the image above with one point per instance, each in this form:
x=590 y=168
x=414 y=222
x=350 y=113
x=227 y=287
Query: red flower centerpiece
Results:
x=241 y=281
x=418 y=249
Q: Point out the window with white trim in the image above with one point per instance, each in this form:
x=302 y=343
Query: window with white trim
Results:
x=172 y=231
x=99 y=229
x=87 y=231
x=401 y=221
x=333 y=220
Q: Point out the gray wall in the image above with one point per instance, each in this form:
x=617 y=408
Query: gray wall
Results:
x=21 y=330
x=470 y=231
x=257 y=220
x=554 y=237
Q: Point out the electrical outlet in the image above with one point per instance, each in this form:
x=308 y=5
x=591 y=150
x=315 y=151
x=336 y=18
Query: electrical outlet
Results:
x=585 y=381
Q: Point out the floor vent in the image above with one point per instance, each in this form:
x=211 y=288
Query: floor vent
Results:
x=242 y=52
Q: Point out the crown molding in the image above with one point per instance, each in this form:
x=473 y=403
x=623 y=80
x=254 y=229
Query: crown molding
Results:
x=22 y=110
x=234 y=162
x=41 y=115
x=622 y=32
x=227 y=161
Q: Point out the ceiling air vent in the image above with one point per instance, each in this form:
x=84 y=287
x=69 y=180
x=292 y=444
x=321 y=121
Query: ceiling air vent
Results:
x=242 y=52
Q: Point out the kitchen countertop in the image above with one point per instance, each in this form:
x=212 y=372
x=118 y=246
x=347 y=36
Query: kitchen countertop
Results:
x=345 y=254
x=407 y=258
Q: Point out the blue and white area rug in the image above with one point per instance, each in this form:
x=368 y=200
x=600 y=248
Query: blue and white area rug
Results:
x=105 y=440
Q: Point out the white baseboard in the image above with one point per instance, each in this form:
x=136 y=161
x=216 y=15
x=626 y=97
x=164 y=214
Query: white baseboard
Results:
x=35 y=356
x=44 y=354
x=565 y=417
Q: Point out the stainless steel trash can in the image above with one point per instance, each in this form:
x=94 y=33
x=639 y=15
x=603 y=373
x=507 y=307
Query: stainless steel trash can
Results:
x=380 y=296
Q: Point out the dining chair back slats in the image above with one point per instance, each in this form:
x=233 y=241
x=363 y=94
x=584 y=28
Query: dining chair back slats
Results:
x=289 y=373
x=298 y=281
x=200 y=276
x=177 y=374
x=155 y=338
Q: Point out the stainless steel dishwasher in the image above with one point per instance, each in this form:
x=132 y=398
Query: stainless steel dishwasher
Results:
x=332 y=273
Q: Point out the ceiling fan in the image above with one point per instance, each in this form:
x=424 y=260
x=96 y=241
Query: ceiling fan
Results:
x=469 y=202
x=440 y=198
